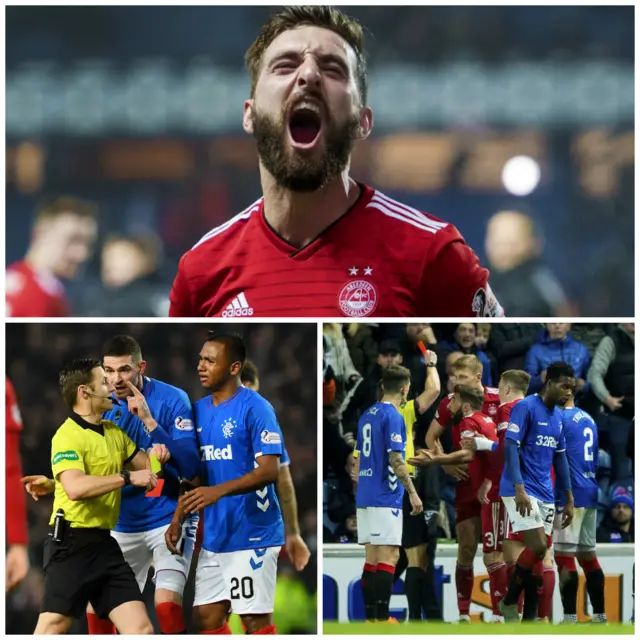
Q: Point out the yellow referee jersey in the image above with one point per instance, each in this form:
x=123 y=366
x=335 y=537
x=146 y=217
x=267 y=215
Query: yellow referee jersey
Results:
x=408 y=412
x=78 y=445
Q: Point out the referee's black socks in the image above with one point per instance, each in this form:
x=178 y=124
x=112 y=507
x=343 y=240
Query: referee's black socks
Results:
x=414 y=584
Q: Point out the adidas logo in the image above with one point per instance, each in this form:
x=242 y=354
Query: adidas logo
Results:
x=238 y=307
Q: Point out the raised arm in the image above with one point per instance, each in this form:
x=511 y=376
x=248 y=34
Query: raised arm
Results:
x=434 y=433
x=432 y=384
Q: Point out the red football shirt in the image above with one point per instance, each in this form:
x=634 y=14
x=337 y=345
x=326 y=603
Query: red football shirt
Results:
x=472 y=426
x=493 y=470
x=381 y=258
x=464 y=488
x=14 y=492
x=33 y=294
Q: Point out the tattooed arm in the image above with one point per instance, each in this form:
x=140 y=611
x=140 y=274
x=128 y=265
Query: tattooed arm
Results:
x=400 y=469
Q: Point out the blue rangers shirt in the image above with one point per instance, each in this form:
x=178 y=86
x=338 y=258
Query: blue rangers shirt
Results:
x=231 y=437
x=381 y=429
x=581 y=435
x=171 y=409
x=537 y=431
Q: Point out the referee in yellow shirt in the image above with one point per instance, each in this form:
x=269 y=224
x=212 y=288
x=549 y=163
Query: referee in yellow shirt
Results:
x=419 y=534
x=82 y=561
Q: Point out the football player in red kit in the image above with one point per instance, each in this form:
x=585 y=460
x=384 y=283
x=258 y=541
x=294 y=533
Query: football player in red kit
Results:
x=17 y=560
x=467 y=370
x=318 y=243
x=495 y=520
x=468 y=422
x=61 y=241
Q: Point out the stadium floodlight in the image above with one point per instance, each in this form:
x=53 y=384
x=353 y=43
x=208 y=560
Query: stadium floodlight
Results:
x=521 y=175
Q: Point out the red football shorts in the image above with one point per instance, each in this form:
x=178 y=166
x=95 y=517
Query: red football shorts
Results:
x=465 y=510
x=495 y=526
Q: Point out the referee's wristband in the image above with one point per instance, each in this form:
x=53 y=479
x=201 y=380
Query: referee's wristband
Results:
x=126 y=476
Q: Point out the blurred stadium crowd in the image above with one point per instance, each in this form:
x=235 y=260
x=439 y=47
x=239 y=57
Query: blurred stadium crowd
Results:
x=479 y=112
x=602 y=356
x=285 y=357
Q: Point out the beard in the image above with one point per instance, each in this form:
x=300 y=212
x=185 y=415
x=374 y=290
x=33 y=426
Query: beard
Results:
x=304 y=171
x=456 y=417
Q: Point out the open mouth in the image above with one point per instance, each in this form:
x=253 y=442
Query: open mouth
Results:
x=304 y=127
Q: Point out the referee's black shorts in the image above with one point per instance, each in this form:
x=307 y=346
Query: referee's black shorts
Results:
x=87 y=566
x=422 y=529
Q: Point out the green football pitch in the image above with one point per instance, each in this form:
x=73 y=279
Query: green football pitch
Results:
x=443 y=628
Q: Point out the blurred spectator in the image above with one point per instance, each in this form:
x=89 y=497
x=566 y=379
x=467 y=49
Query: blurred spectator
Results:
x=362 y=347
x=130 y=286
x=510 y=342
x=338 y=358
x=617 y=525
x=61 y=242
x=554 y=344
x=465 y=340
x=288 y=380
x=366 y=392
x=407 y=336
x=611 y=376
x=524 y=285
x=590 y=334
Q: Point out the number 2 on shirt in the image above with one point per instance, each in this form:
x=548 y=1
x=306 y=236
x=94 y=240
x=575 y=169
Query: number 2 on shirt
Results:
x=588 y=445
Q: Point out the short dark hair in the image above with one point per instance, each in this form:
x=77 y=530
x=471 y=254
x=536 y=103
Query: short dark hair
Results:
x=394 y=378
x=74 y=374
x=326 y=17
x=517 y=378
x=233 y=344
x=471 y=395
x=249 y=373
x=560 y=369
x=122 y=346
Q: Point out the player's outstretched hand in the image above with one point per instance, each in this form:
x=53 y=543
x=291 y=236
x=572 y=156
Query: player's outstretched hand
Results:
x=37 y=486
x=483 y=491
x=137 y=403
x=161 y=453
x=458 y=471
x=416 y=503
x=297 y=550
x=172 y=535
x=193 y=501
x=144 y=478
x=523 y=503
x=469 y=443
x=424 y=458
x=567 y=515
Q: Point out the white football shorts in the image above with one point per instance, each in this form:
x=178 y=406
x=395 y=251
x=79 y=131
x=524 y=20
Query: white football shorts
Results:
x=541 y=515
x=580 y=535
x=142 y=549
x=247 y=579
x=380 y=526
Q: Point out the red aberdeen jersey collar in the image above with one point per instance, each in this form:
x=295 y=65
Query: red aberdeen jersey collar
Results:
x=324 y=237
